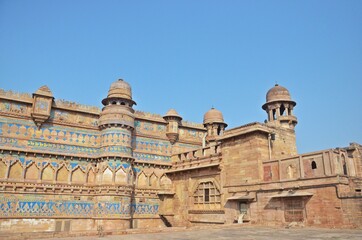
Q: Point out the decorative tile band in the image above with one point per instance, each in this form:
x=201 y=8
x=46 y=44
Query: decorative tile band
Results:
x=40 y=206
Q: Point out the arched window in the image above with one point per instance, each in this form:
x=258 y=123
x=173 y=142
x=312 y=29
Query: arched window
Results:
x=344 y=164
x=314 y=165
x=291 y=170
x=274 y=114
x=206 y=192
x=218 y=130
x=282 y=110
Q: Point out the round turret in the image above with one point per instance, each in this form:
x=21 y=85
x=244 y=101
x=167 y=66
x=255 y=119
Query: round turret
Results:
x=116 y=121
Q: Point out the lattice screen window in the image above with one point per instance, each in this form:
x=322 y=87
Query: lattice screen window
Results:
x=294 y=209
x=206 y=192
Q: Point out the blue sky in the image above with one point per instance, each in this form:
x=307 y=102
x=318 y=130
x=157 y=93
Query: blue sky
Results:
x=192 y=55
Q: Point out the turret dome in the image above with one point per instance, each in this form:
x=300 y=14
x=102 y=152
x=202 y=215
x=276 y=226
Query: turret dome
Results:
x=172 y=113
x=120 y=89
x=278 y=93
x=213 y=116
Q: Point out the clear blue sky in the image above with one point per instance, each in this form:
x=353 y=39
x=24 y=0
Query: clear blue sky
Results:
x=191 y=55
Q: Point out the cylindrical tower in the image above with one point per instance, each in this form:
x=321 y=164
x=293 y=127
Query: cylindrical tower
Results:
x=117 y=121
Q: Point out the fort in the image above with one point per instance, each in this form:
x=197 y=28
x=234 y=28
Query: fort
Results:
x=71 y=168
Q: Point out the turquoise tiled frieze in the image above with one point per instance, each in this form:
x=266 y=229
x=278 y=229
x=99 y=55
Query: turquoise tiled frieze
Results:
x=153 y=146
x=115 y=164
x=63 y=135
x=116 y=136
x=23 y=135
x=151 y=157
x=149 y=128
x=62 y=148
x=42 y=206
x=123 y=151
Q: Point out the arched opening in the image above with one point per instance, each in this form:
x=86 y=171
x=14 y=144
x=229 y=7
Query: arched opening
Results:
x=206 y=193
x=48 y=173
x=282 y=110
x=344 y=165
x=107 y=176
x=165 y=182
x=291 y=171
x=78 y=176
x=32 y=172
x=3 y=169
x=314 y=165
x=153 y=181
x=142 y=180
x=114 y=102
x=123 y=103
x=219 y=130
x=63 y=174
x=16 y=171
x=274 y=114
x=91 y=176
x=121 y=177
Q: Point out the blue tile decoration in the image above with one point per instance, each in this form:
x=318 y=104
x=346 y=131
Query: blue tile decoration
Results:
x=40 y=206
x=151 y=157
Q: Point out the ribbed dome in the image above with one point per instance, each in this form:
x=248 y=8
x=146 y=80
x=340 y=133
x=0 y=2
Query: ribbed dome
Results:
x=213 y=116
x=172 y=113
x=278 y=93
x=120 y=89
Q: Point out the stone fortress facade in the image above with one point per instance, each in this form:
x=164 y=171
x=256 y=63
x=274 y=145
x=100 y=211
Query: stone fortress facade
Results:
x=66 y=167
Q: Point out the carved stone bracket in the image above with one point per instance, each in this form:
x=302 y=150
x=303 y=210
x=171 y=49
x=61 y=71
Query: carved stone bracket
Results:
x=42 y=104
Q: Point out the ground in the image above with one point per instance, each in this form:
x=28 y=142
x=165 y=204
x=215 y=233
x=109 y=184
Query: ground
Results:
x=245 y=232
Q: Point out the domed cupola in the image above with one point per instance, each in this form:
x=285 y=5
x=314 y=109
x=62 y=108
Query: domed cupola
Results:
x=117 y=110
x=119 y=90
x=279 y=106
x=214 y=123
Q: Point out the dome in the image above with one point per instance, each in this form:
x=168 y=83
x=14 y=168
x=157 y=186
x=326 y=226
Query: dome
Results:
x=172 y=113
x=120 y=89
x=213 y=116
x=278 y=93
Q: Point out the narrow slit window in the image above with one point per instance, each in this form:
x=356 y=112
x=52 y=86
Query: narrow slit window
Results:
x=207 y=195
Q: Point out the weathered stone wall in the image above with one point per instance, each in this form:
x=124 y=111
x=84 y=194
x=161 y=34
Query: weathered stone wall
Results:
x=242 y=158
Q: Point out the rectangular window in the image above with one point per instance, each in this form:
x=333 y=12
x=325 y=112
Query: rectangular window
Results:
x=294 y=210
x=206 y=195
